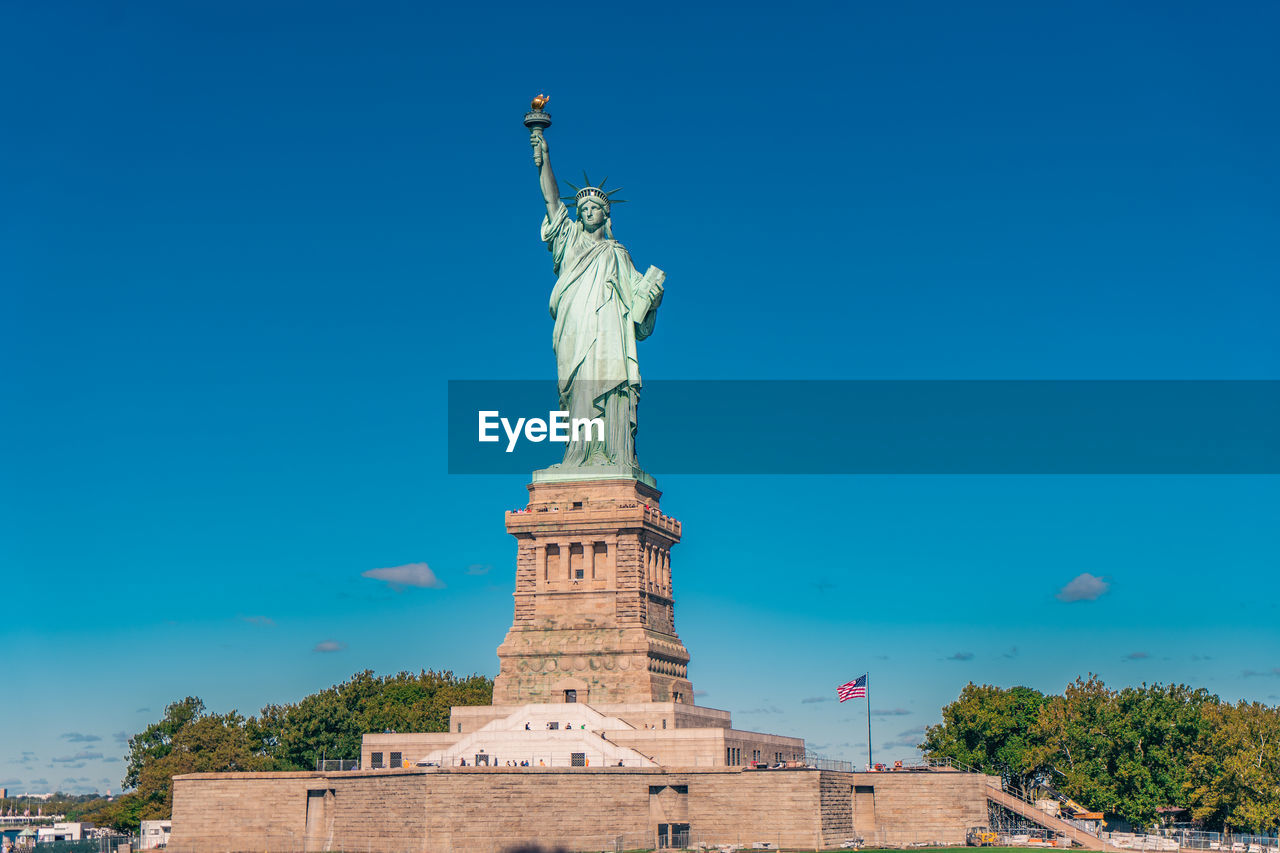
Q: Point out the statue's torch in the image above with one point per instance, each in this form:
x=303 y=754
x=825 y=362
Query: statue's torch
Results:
x=538 y=121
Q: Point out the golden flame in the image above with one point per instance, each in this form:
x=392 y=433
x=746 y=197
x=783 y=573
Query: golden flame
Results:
x=540 y=102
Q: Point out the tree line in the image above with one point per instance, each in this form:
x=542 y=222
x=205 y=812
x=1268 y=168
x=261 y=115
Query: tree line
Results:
x=327 y=724
x=1129 y=753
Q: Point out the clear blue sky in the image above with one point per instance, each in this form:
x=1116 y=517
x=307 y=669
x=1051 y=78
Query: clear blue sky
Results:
x=244 y=246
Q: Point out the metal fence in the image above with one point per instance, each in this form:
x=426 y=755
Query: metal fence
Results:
x=1138 y=841
x=100 y=844
x=1195 y=839
x=337 y=764
x=901 y=839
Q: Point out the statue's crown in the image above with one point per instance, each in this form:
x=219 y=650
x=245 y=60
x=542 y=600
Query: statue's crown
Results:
x=599 y=194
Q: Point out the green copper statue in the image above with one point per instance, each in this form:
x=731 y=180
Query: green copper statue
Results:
x=601 y=306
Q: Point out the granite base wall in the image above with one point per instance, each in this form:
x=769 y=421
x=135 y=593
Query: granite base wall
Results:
x=430 y=810
x=923 y=808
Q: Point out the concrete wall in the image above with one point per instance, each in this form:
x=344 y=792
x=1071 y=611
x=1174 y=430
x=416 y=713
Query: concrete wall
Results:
x=678 y=715
x=241 y=811
x=922 y=807
x=490 y=809
x=747 y=806
x=412 y=746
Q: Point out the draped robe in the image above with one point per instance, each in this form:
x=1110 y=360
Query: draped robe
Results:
x=594 y=338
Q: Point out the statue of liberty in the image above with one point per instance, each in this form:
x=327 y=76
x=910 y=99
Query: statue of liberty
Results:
x=601 y=306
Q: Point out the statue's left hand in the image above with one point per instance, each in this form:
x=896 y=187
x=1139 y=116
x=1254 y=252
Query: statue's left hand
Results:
x=654 y=279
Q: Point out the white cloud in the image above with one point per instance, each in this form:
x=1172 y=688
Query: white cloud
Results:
x=1136 y=656
x=329 y=646
x=901 y=744
x=908 y=739
x=815 y=699
x=76 y=737
x=961 y=656
x=264 y=621
x=77 y=785
x=478 y=569
x=75 y=760
x=410 y=574
x=1083 y=587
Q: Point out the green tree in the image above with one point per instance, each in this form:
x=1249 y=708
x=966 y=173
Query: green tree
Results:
x=209 y=743
x=991 y=729
x=321 y=724
x=329 y=723
x=1125 y=753
x=185 y=740
x=332 y=723
x=124 y=813
x=154 y=742
x=1076 y=732
x=1234 y=773
x=1156 y=731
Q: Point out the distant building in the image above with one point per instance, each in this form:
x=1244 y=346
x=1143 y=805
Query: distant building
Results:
x=155 y=833
x=73 y=831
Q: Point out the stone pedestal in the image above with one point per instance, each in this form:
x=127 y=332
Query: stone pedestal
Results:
x=594 y=616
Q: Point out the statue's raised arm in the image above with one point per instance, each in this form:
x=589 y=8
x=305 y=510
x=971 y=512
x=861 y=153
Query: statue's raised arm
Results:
x=546 y=177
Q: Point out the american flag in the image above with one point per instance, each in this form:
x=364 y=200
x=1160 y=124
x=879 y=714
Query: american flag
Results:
x=855 y=689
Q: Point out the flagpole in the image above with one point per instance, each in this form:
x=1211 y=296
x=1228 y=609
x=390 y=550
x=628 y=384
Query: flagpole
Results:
x=867 y=685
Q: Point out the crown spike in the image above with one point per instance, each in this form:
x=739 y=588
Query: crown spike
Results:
x=585 y=178
x=611 y=192
x=600 y=186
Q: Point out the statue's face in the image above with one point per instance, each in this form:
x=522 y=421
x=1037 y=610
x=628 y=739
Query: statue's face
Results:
x=591 y=215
